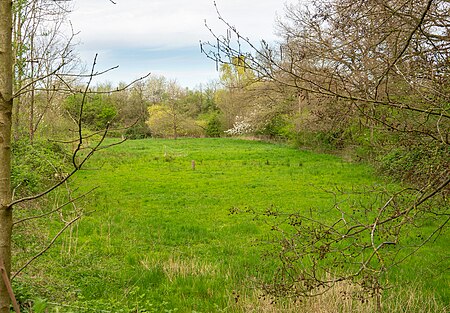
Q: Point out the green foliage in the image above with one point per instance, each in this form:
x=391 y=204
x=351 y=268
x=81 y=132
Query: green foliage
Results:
x=414 y=163
x=169 y=120
x=36 y=166
x=332 y=139
x=139 y=130
x=40 y=305
x=318 y=141
x=277 y=128
x=214 y=126
x=98 y=110
x=155 y=107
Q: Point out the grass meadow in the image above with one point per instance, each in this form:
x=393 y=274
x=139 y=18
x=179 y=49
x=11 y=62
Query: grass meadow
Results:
x=160 y=236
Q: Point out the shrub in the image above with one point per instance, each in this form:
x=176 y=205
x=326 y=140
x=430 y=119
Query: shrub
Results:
x=138 y=131
x=213 y=127
x=414 y=163
x=278 y=127
x=98 y=111
x=38 y=165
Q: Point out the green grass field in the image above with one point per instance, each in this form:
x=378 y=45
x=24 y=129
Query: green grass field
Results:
x=161 y=238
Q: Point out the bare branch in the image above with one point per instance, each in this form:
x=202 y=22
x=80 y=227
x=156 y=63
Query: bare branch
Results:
x=54 y=210
x=47 y=247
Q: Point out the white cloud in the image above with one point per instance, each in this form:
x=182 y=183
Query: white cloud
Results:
x=130 y=32
x=168 y=23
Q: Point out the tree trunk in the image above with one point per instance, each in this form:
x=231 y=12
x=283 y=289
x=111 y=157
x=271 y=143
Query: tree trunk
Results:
x=5 y=143
x=32 y=60
x=17 y=24
x=175 y=132
x=174 y=124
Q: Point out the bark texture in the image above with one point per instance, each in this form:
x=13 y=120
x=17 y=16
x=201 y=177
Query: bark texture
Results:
x=5 y=144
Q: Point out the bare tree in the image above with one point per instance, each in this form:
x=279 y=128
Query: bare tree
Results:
x=43 y=51
x=384 y=65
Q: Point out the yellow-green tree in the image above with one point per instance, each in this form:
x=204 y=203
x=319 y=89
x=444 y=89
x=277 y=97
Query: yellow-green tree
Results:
x=233 y=99
x=171 y=116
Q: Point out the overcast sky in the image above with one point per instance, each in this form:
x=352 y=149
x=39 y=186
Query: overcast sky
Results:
x=162 y=36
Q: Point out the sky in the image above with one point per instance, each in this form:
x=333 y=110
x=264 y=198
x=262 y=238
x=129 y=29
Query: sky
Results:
x=162 y=36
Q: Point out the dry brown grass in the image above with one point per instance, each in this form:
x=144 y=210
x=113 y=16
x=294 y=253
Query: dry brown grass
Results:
x=339 y=300
x=175 y=266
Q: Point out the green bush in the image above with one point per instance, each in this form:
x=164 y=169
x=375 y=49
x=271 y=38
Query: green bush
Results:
x=98 y=111
x=414 y=163
x=36 y=166
x=213 y=127
x=138 y=131
x=277 y=128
